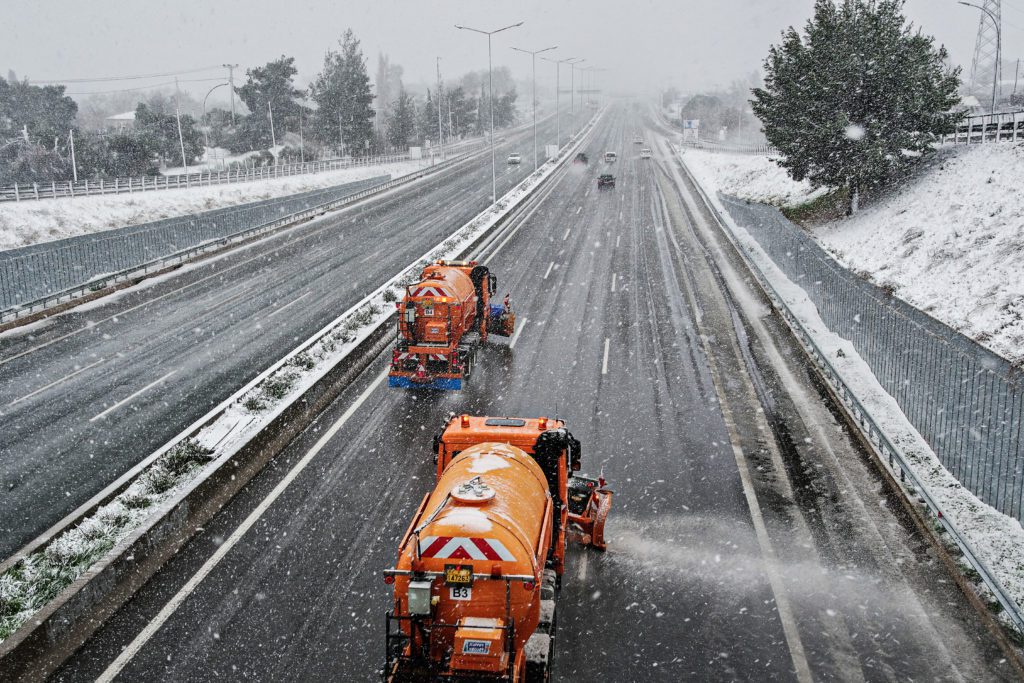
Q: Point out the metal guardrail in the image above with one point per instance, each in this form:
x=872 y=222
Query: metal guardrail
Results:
x=40 y=276
x=85 y=188
x=984 y=128
x=946 y=388
x=731 y=147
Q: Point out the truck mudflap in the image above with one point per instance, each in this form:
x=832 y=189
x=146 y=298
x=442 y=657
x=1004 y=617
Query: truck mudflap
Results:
x=441 y=383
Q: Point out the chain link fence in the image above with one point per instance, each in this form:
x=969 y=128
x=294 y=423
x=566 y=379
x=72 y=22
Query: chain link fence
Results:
x=967 y=402
x=34 y=273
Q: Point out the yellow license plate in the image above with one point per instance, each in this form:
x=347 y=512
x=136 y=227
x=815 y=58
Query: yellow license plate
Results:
x=458 y=575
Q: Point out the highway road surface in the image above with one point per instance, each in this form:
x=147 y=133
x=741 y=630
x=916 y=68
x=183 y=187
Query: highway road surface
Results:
x=88 y=394
x=750 y=538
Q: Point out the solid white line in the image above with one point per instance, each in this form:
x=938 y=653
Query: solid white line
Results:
x=617 y=241
x=566 y=235
x=604 y=364
x=53 y=384
x=519 y=331
x=614 y=275
x=292 y=303
x=578 y=209
x=550 y=266
x=135 y=395
x=171 y=607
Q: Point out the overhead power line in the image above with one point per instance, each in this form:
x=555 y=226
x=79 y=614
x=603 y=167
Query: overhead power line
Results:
x=151 y=86
x=108 y=79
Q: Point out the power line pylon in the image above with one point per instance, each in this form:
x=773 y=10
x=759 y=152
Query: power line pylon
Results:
x=986 y=67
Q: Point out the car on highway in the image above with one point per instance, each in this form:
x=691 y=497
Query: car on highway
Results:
x=515 y=158
x=581 y=158
x=605 y=180
x=638 y=140
x=610 y=157
x=645 y=153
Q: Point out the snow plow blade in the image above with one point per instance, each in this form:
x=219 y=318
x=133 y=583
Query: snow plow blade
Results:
x=502 y=322
x=589 y=504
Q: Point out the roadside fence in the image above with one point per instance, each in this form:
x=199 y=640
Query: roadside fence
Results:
x=984 y=128
x=966 y=401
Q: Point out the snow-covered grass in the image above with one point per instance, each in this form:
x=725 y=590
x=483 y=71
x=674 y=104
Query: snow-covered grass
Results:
x=40 y=577
x=31 y=222
x=748 y=176
x=949 y=241
x=996 y=538
x=37 y=579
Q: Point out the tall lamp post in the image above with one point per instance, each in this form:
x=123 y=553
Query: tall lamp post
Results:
x=206 y=124
x=490 y=96
x=572 y=92
x=999 y=48
x=558 y=89
x=533 y=54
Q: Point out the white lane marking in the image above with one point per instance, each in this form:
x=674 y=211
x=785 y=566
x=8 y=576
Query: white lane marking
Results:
x=583 y=567
x=614 y=275
x=133 y=396
x=550 y=266
x=291 y=303
x=566 y=235
x=604 y=363
x=578 y=209
x=617 y=239
x=54 y=383
x=172 y=606
x=620 y=215
x=519 y=331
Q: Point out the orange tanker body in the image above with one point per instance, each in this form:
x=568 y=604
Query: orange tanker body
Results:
x=480 y=566
x=441 y=321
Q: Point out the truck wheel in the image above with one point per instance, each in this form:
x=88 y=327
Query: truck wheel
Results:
x=540 y=649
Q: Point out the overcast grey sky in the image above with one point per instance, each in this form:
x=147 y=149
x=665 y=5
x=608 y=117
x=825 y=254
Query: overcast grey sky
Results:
x=646 y=43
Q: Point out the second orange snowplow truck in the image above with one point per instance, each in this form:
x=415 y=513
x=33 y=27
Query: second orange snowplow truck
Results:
x=442 y=320
x=480 y=567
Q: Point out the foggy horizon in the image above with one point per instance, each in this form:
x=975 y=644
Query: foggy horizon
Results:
x=649 y=47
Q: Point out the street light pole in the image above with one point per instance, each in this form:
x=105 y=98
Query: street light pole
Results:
x=231 y=79
x=558 y=90
x=490 y=89
x=206 y=124
x=572 y=92
x=533 y=54
x=999 y=48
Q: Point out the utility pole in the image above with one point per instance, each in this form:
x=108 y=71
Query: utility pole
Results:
x=302 y=145
x=177 y=115
x=490 y=88
x=231 y=81
x=533 y=54
x=273 y=138
x=440 y=136
x=74 y=164
x=572 y=93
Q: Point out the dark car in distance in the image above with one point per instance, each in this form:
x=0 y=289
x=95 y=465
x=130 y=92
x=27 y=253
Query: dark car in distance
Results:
x=605 y=180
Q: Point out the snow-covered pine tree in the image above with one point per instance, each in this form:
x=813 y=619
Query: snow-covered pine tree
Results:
x=857 y=99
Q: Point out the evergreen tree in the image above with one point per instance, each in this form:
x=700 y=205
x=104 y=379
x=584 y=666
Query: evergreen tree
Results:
x=269 y=90
x=426 y=122
x=858 y=99
x=344 y=101
x=402 y=125
x=159 y=133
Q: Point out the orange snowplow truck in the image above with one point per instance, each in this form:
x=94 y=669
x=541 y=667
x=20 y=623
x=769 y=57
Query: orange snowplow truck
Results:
x=480 y=567
x=442 y=320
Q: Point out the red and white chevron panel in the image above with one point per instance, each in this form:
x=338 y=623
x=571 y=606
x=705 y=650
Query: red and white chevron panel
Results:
x=462 y=548
x=425 y=290
x=437 y=356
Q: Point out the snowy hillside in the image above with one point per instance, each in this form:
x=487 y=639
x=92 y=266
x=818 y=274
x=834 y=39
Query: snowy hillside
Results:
x=30 y=222
x=950 y=241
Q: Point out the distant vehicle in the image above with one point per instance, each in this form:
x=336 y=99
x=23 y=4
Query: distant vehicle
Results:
x=515 y=158
x=638 y=140
x=610 y=157
x=605 y=180
x=581 y=158
x=645 y=153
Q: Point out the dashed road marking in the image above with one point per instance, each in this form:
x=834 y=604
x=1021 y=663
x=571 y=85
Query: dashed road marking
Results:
x=578 y=209
x=291 y=303
x=550 y=266
x=519 y=331
x=54 y=383
x=171 y=607
x=614 y=275
x=132 y=397
x=604 y=363
x=617 y=239
x=566 y=235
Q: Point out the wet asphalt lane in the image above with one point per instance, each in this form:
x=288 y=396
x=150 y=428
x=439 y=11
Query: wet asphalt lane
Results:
x=86 y=395
x=684 y=591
